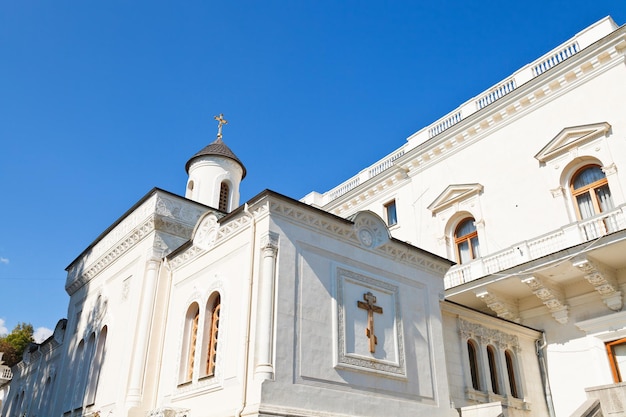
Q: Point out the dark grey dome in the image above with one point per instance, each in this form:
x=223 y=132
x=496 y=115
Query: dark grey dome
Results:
x=217 y=148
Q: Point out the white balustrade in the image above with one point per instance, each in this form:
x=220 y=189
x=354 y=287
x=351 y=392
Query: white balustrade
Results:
x=565 y=237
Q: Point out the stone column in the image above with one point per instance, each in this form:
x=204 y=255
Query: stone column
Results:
x=264 y=368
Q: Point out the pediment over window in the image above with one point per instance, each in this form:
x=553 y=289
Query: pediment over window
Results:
x=572 y=137
x=454 y=193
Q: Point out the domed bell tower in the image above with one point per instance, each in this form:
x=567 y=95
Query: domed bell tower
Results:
x=215 y=174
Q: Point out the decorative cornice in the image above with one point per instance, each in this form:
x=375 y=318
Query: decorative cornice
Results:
x=172 y=218
x=485 y=335
x=322 y=223
x=551 y=84
x=603 y=280
x=210 y=233
x=551 y=296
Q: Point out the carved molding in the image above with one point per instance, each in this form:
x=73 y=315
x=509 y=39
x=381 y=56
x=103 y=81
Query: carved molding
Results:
x=603 y=279
x=353 y=361
x=206 y=232
x=551 y=296
x=370 y=229
x=269 y=241
x=170 y=215
x=504 y=307
x=215 y=233
x=325 y=224
x=470 y=330
x=557 y=192
x=610 y=169
x=169 y=411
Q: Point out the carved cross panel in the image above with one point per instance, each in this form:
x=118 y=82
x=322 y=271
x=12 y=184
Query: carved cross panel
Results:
x=370 y=306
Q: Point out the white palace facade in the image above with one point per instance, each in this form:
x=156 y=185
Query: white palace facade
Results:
x=478 y=270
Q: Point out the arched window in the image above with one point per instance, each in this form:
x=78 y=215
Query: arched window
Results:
x=96 y=366
x=466 y=241
x=493 y=369
x=510 y=369
x=590 y=190
x=189 y=343
x=86 y=366
x=76 y=366
x=211 y=326
x=47 y=393
x=473 y=363
x=224 y=194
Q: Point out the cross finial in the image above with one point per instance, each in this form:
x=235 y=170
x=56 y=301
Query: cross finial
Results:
x=220 y=122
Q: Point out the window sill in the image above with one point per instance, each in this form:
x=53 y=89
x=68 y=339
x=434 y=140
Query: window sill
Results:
x=484 y=397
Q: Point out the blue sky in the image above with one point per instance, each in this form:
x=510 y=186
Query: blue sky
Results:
x=102 y=100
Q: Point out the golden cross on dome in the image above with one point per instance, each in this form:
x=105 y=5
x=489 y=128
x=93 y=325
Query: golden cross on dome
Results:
x=220 y=122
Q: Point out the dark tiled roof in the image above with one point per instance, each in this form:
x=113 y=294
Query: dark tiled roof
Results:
x=217 y=148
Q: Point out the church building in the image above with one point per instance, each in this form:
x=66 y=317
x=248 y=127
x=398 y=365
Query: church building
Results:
x=476 y=271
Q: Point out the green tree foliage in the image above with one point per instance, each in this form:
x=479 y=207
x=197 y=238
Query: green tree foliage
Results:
x=15 y=343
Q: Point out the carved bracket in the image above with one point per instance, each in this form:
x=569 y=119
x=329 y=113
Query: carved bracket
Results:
x=603 y=280
x=551 y=296
x=504 y=307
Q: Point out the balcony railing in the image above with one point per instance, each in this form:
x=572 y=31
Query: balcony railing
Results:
x=5 y=373
x=565 y=237
x=492 y=94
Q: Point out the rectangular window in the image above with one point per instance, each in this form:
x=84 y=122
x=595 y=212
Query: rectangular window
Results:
x=390 y=211
x=617 y=357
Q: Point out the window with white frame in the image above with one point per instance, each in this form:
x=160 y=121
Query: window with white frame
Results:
x=190 y=337
x=390 y=213
x=200 y=341
x=211 y=327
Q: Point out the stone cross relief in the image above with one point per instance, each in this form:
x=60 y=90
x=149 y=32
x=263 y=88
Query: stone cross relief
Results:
x=220 y=122
x=370 y=306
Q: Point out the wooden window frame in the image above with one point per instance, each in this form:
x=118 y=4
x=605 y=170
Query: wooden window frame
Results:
x=474 y=365
x=224 y=196
x=617 y=377
x=512 y=373
x=214 y=307
x=492 y=359
x=465 y=238
x=589 y=188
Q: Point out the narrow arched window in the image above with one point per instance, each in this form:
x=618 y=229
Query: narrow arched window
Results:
x=493 y=369
x=96 y=367
x=473 y=364
x=74 y=387
x=211 y=330
x=86 y=363
x=466 y=241
x=47 y=393
x=189 y=343
x=591 y=193
x=510 y=369
x=224 y=194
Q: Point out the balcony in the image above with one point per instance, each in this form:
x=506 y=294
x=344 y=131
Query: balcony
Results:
x=565 y=237
x=5 y=374
x=612 y=398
